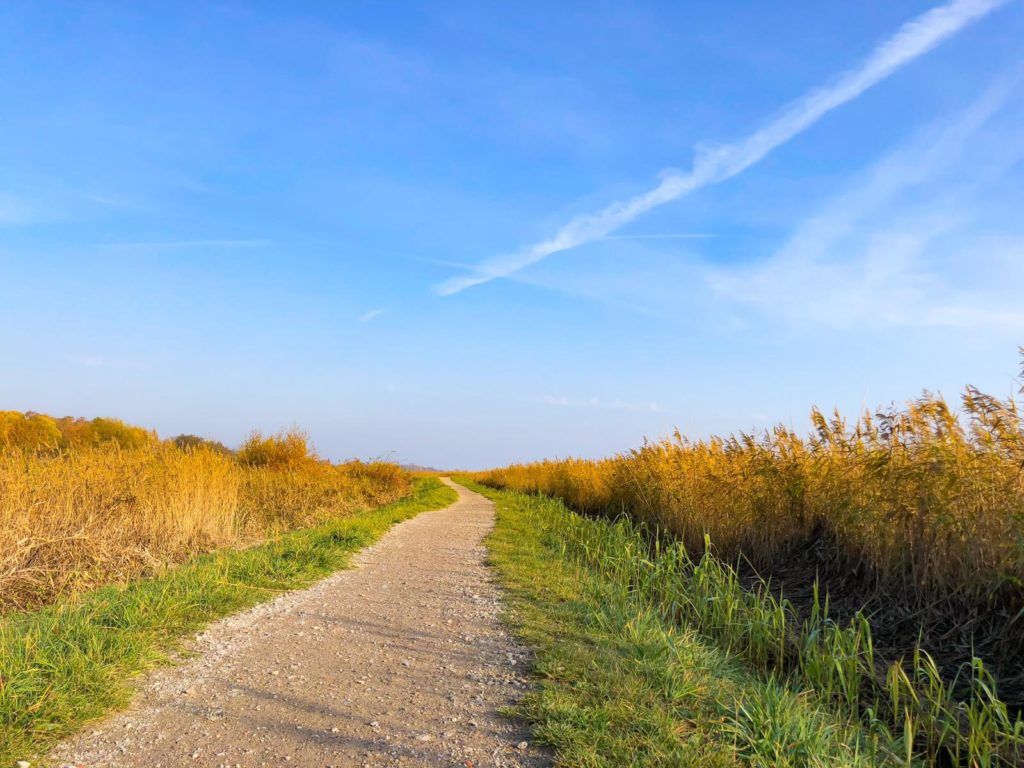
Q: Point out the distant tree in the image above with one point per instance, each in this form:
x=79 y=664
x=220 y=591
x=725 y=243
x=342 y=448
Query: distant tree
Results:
x=39 y=432
x=74 y=431
x=104 y=430
x=28 y=431
x=191 y=442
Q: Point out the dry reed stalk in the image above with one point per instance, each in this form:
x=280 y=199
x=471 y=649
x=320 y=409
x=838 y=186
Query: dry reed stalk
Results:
x=926 y=500
x=78 y=519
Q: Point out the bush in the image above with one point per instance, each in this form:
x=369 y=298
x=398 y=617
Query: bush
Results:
x=36 y=432
x=192 y=442
x=289 y=449
x=28 y=431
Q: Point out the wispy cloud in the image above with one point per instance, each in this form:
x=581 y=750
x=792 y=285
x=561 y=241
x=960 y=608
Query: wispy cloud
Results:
x=715 y=164
x=13 y=210
x=368 y=316
x=98 y=361
x=927 y=236
x=154 y=245
x=438 y=262
x=909 y=242
x=89 y=361
x=678 y=236
x=597 y=403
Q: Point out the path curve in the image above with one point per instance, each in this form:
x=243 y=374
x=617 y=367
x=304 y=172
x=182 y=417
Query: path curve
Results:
x=401 y=661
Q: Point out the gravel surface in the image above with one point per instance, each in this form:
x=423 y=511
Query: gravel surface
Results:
x=400 y=662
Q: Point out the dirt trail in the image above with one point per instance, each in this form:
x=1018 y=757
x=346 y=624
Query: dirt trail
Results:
x=399 y=662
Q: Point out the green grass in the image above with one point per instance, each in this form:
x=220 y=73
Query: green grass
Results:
x=619 y=685
x=64 y=665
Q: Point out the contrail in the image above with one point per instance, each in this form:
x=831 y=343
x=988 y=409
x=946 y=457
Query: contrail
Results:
x=910 y=41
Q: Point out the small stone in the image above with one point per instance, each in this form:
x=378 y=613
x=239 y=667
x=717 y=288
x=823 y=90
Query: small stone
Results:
x=424 y=737
x=522 y=745
x=24 y=764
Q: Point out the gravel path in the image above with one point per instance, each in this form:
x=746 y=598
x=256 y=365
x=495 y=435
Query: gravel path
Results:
x=399 y=662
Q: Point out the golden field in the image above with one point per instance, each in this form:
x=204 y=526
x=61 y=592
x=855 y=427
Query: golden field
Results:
x=118 y=503
x=903 y=532
x=924 y=501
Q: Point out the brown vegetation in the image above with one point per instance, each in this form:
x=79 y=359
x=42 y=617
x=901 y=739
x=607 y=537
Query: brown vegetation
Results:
x=917 y=513
x=37 y=432
x=85 y=503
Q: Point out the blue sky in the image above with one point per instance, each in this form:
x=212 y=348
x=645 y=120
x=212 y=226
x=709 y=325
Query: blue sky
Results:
x=351 y=216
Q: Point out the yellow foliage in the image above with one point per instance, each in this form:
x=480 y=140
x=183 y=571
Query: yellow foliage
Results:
x=37 y=432
x=30 y=431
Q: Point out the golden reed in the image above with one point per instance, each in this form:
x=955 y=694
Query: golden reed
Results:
x=77 y=517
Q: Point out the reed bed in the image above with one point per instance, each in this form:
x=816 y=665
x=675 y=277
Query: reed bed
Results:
x=908 y=524
x=910 y=713
x=923 y=502
x=73 y=518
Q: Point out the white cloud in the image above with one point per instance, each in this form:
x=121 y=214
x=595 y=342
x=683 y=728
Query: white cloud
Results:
x=158 y=245
x=117 y=364
x=928 y=236
x=713 y=165
x=597 y=403
x=13 y=211
x=908 y=243
x=89 y=361
x=677 y=236
x=368 y=316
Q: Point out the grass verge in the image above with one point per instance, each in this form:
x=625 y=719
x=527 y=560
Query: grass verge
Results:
x=619 y=685
x=63 y=665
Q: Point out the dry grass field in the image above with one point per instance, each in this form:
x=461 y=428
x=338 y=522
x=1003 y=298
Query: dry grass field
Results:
x=924 y=502
x=103 y=502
